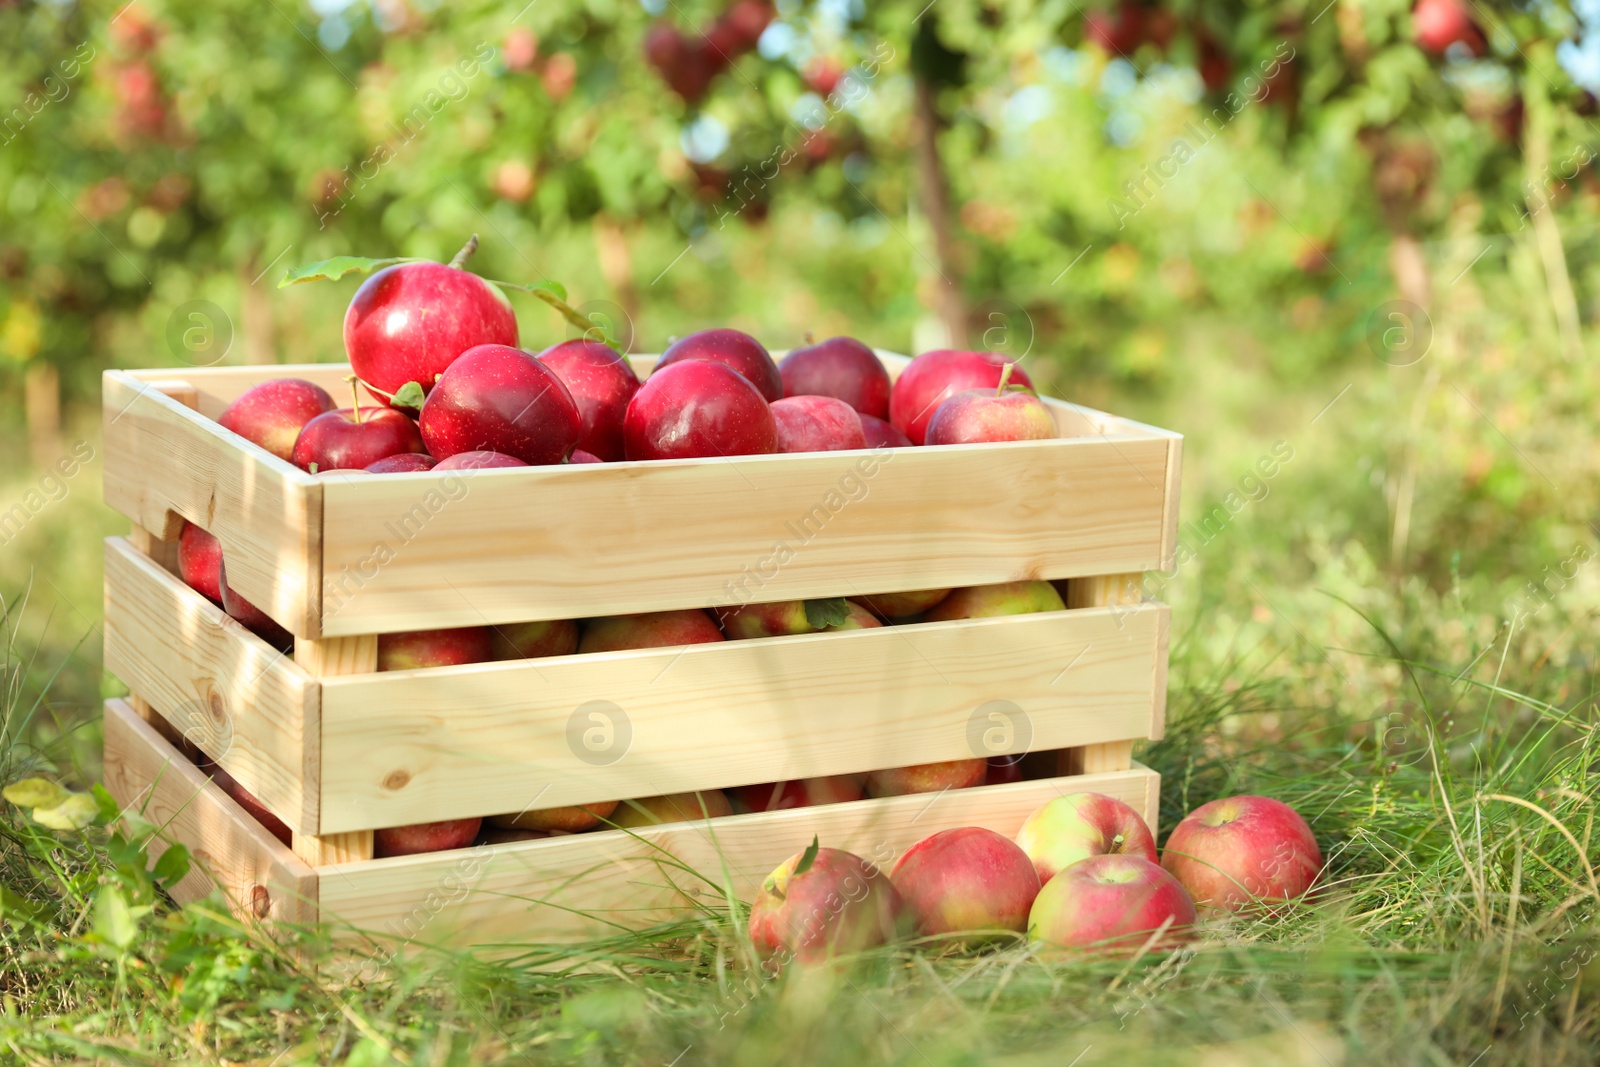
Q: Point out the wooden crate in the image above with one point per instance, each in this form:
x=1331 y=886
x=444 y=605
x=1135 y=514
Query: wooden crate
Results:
x=337 y=750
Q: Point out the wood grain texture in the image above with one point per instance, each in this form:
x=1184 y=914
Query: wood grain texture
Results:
x=261 y=878
x=237 y=699
x=565 y=888
x=1123 y=594
x=327 y=658
x=414 y=746
x=165 y=463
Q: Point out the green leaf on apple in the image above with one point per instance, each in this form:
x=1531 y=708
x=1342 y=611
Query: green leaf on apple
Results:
x=555 y=294
x=409 y=396
x=807 y=858
x=822 y=614
x=331 y=270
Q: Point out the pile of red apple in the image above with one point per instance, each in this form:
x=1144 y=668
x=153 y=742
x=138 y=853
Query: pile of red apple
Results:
x=1081 y=874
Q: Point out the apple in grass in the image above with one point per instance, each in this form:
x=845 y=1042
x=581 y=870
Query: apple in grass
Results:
x=424 y=837
x=601 y=383
x=697 y=408
x=817 y=424
x=651 y=629
x=842 y=368
x=933 y=377
x=880 y=434
x=500 y=399
x=966 y=880
x=353 y=439
x=825 y=902
x=673 y=807
x=799 y=793
x=731 y=348
x=531 y=640
x=1006 y=598
x=200 y=562
x=1239 y=852
x=272 y=414
x=984 y=415
x=904 y=605
x=927 y=777
x=1111 y=903
x=571 y=819
x=1071 y=828
x=409 y=322
x=434 y=648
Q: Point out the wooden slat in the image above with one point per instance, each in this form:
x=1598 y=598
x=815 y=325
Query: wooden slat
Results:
x=165 y=463
x=591 y=884
x=1123 y=592
x=415 y=551
x=244 y=704
x=414 y=746
x=260 y=877
x=329 y=658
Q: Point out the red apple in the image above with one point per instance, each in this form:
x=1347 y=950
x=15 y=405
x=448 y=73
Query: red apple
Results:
x=1231 y=853
x=857 y=618
x=817 y=424
x=1118 y=32
x=927 y=777
x=823 y=74
x=434 y=648
x=343 y=440
x=494 y=835
x=601 y=383
x=880 y=434
x=409 y=322
x=698 y=408
x=837 y=905
x=840 y=367
x=572 y=819
x=477 y=461
x=966 y=880
x=1110 y=903
x=904 y=605
x=674 y=807
x=1006 y=598
x=1074 y=827
x=980 y=415
x=531 y=640
x=1003 y=770
x=747 y=19
x=500 y=399
x=424 y=837
x=800 y=793
x=1438 y=24
x=653 y=629
x=934 y=376
x=580 y=456
x=521 y=49
x=249 y=616
x=731 y=348
x=200 y=562
x=271 y=414
x=246 y=800
x=402 y=463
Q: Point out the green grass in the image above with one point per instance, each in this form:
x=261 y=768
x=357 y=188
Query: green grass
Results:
x=1441 y=743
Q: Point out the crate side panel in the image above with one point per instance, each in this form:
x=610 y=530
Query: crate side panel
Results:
x=238 y=700
x=408 y=552
x=260 y=877
x=589 y=885
x=164 y=460
x=457 y=742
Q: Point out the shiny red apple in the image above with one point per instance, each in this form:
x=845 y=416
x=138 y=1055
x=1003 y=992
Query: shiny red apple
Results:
x=1234 y=853
x=840 y=367
x=974 y=416
x=732 y=348
x=346 y=441
x=1111 y=904
x=200 y=562
x=407 y=323
x=601 y=383
x=838 y=904
x=1071 y=828
x=966 y=881
x=932 y=377
x=251 y=617
x=817 y=424
x=271 y=414
x=880 y=434
x=698 y=408
x=500 y=399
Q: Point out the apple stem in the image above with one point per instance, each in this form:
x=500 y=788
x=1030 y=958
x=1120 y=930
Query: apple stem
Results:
x=461 y=257
x=355 y=398
x=1005 y=376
